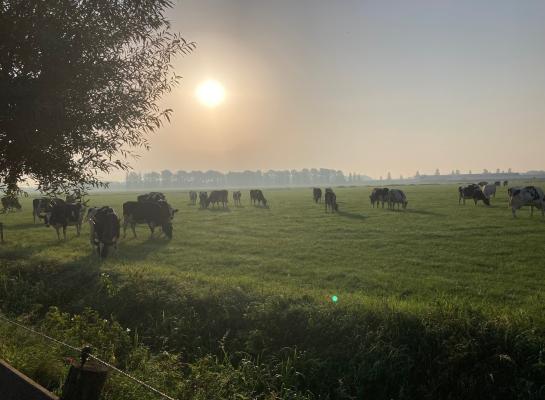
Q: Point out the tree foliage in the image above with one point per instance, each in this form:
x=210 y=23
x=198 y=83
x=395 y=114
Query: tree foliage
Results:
x=80 y=82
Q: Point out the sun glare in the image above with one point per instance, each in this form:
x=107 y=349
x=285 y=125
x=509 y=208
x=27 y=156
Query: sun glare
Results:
x=211 y=93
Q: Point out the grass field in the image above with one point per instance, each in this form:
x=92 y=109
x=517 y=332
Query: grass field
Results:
x=229 y=280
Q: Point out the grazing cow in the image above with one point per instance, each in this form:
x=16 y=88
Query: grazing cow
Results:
x=60 y=215
x=489 y=190
x=505 y=183
x=474 y=192
x=216 y=197
x=379 y=195
x=528 y=196
x=259 y=198
x=330 y=201
x=256 y=197
x=236 y=197
x=497 y=183
x=478 y=195
x=105 y=229
x=193 y=197
x=483 y=183
x=203 y=199
x=317 y=195
x=152 y=196
x=396 y=196
x=152 y=213
x=10 y=203
x=466 y=192
x=253 y=196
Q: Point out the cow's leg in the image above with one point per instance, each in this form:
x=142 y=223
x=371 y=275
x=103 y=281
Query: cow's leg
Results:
x=78 y=229
x=57 y=229
x=531 y=211
x=64 y=232
x=513 y=212
x=133 y=227
x=125 y=223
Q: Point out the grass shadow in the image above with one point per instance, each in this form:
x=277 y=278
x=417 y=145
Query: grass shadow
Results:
x=26 y=225
x=133 y=249
x=350 y=215
x=419 y=212
x=219 y=209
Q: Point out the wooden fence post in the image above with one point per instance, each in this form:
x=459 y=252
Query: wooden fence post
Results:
x=84 y=382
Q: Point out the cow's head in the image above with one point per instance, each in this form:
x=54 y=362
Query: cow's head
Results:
x=486 y=200
x=405 y=204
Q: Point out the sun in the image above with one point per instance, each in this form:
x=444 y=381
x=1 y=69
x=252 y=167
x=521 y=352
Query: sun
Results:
x=211 y=93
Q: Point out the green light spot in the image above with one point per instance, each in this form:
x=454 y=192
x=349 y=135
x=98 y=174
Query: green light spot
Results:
x=334 y=299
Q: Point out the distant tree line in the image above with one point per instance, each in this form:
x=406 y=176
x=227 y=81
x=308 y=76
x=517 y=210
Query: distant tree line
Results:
x=198 y=179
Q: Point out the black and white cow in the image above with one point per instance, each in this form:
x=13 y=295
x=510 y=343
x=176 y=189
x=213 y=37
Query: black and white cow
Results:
x=39 y=208
x=472 y=191
x=379 y=195
x=61 y=215
x=396 y=196
x=10 y=203
x=236 y=197
x=330 y=201
x=489 y=190
x=253 y=196
x=152 y=196
x=528 y=196
x=257 y=197
x=216 y=197
x=260 y=198
x=317 y=195
x=203 y=199
x=105 y=229
x=193 y=197
x=152 y=213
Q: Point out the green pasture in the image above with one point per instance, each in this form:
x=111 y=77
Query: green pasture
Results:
x=436 y=248
x=428 y=298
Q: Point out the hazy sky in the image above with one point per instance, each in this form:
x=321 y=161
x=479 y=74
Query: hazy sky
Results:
x=362 y=86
